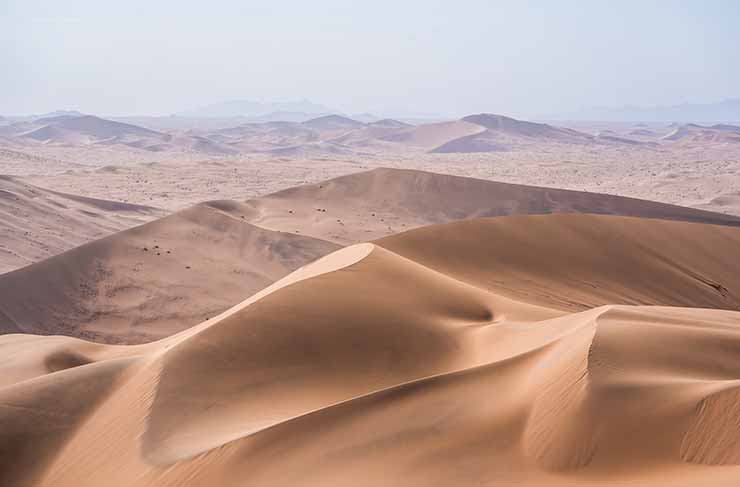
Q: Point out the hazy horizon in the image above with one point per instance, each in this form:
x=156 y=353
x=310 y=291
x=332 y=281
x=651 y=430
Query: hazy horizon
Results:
x=432 y=58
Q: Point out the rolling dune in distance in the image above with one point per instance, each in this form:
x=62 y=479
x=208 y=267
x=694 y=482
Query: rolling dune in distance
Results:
x=442 y=355
x=381 y=202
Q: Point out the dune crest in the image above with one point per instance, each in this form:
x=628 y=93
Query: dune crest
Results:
x=151 y=281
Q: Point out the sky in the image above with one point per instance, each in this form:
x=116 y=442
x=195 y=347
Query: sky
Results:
x=388 y=57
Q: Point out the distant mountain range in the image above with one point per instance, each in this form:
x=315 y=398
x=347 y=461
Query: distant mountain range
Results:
x=251 y=108
x=723 y=111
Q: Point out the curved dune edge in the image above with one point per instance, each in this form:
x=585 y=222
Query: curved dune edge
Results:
x=403 y=363
x=335 y=261
x=561 y=429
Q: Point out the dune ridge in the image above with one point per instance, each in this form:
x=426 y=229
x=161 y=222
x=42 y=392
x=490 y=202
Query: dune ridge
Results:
x=153 y=280
x=400 y=362
x=381 y=202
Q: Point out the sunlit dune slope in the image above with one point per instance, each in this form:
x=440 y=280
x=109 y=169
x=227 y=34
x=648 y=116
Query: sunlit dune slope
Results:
x=399 y=363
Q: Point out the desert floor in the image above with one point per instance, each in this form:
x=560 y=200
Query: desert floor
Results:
x=697 y=177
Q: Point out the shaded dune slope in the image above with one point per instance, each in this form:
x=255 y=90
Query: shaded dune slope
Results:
x=574 y=262
x=153 y=280
x=385 y=364
x=36 y=223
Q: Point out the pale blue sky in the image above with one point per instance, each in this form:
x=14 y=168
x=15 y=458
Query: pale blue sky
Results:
x=449 y=57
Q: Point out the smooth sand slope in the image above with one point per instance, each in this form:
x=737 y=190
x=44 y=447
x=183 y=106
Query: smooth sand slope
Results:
x=36 y=223
x=153 y=280
x=435 y=357
x=370 y=205
x=432 y=135
x=502 y=133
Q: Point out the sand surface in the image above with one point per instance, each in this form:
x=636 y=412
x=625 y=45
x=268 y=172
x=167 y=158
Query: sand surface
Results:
x=172 y=165
x=689 y=165
x=153 y=280
x=513 y=350
x=163 y=277
x=370 y=205
x=36 y=223
x=484 y=301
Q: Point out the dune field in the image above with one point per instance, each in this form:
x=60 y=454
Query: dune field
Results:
x=173 y=312
x=534 y=349
x=369 y=244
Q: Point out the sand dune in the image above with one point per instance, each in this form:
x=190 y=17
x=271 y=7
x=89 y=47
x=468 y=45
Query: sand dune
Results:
x=207 y=258
x=728 y=202
x=502 y=133
x=374 y=204
x=701 y=135
x=412 y=362
x=332 y=122
x=574 y=262
x=36 y=223
x=153 y=280
x=331 y=135
x=429 y=136
x=390 y=123
x=510 y=125
x=264 y=137
x=74 y=128
x=88 y=130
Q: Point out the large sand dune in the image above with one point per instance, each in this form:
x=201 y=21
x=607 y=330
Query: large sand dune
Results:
x=492 y=351
x=75 y=129
x=432 y=135
x=693 y=134
x=36 y=223
x=502 y=133
x=374 y=204
x=153 y=280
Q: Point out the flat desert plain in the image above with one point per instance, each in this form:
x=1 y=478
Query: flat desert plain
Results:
x=483 y=301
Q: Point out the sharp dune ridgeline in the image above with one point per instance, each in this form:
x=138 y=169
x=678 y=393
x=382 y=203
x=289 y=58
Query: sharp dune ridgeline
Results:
x=561 y=349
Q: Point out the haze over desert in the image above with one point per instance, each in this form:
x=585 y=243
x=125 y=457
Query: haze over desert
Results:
x=483 y=244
